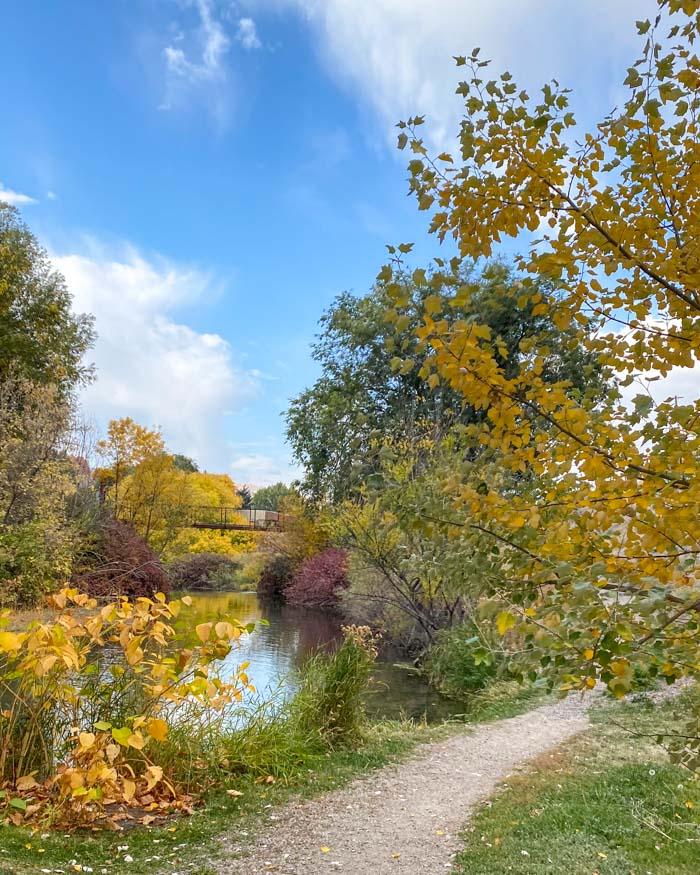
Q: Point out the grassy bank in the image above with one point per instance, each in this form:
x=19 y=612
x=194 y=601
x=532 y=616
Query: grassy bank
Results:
x=186 y=843
x=609 y=802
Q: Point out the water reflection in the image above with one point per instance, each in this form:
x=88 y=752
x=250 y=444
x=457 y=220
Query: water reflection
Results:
x=277 y=650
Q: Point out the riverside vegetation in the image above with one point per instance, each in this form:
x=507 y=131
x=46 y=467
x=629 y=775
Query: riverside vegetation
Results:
x=482 y=486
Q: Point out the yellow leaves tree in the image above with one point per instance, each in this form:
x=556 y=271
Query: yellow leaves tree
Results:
x=599 y=554
x=146 y=487
x=127 y=445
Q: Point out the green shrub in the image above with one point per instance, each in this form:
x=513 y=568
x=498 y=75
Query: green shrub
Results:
x=460 y=662
x=35 y=558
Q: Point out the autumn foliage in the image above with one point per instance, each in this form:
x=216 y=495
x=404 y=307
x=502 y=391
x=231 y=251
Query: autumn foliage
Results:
x=319 y=581
x=583 y=514
x=121 y=563
x=90 y=700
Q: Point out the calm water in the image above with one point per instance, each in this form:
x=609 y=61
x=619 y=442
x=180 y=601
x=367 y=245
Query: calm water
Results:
x=276 y=651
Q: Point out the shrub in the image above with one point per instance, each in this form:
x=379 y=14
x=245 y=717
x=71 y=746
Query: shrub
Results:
x=320 y=580
x=203 y=571
x=329 y=704
x=35 y=557
x=459 y=663
x=275 y=578
x=84 y=732
x=121 y=563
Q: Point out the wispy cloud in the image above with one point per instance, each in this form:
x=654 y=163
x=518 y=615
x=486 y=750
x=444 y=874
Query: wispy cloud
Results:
x=214 y=44
x=196 y=67
x=16 y=198
x=247 y=34
x=396 y=55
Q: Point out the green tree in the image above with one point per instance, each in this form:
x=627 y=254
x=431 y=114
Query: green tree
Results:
x=246 y=497
x=41 y=339
x=338 y=426
x=269 y=497
x=184 y=463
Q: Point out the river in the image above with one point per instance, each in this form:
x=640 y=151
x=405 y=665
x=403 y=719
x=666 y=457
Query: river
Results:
x=277 y=650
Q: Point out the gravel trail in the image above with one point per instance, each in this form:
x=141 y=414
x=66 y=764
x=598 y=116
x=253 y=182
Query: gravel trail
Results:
x=404 y=819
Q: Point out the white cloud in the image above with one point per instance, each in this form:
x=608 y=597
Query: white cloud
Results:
x=247 y=34
x=51 y=195
x=15 y=198
x=214 y=45
x=200 y=68
x=259 y=469
x=397 y=54
x=150 y=366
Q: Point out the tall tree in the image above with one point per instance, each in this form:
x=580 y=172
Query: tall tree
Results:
x=338 y=426
x=41 y=339
x=600 y=559
x=269 y=497
x=126 y=446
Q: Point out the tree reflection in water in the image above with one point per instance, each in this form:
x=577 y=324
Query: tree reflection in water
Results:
x=276 y=651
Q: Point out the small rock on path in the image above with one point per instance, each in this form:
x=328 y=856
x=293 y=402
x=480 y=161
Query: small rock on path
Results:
x=404 y=819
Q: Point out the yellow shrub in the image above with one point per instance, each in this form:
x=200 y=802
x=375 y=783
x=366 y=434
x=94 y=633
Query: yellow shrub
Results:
x=81 y=725
x=227 y=543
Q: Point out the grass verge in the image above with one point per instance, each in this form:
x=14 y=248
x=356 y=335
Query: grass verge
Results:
x=607 y=803
x=186 y=844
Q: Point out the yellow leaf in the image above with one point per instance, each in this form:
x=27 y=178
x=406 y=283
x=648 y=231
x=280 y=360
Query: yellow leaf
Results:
x=154 y=774
x=137 y=741
x=158 y=729
x=203 y=631
x=86 y=739
x=10 y=641
x=223 y=629
x=128 y=789
x=504 y=621
x=325 y=849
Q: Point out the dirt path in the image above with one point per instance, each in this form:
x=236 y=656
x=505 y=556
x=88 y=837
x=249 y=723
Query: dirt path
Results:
x=404 y=819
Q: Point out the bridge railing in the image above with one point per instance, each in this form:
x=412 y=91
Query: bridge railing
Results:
x=234 y=518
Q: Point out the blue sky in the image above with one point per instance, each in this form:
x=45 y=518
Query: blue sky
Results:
x=209 y=174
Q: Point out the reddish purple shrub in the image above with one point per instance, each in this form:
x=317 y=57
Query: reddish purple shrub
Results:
x=320 y=580
x=121 y=563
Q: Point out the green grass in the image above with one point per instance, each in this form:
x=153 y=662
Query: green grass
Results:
x=186 y=844
x=608 y=802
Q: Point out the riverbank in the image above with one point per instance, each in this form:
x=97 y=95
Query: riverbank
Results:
x=186 y=845
x=615 y=792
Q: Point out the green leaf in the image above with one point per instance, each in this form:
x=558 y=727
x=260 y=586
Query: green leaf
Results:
x=103 y=726
x=122 y=735
x=19 y=804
